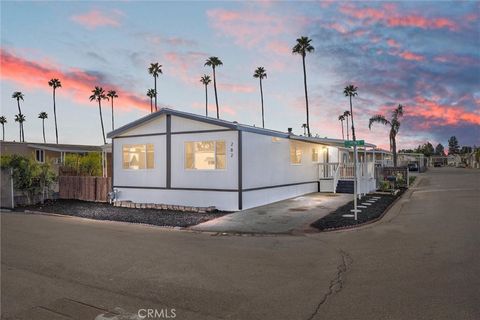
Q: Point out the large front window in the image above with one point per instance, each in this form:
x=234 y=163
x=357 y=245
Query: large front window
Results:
x=138 y=156
x=205 y=155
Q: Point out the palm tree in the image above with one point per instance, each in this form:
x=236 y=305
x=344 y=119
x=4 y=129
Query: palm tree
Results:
x=155 y=70
x=3 y=120
x=341 y=118
x=302 y=47
x=99 y=95
x=261 y=73
x=214 y=62
x=43 y=116
x=347 y=114
x=112 y=94
x=20 y=118
x=351 y=91
x=394 y=125
x=55 y=83
x=206 y=81
x=19 y=96
x=151 y=94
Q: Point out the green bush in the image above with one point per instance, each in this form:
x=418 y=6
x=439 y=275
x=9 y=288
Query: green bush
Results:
x=85 y=165
x=29 y=176
x=385 y=185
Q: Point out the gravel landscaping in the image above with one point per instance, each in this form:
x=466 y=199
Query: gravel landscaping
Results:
x=335 y=219
x=104 y=211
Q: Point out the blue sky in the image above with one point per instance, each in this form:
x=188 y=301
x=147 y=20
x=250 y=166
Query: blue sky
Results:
x=421 y=55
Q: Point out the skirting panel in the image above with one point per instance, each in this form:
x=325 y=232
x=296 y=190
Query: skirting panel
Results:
x=265 y=196
x=227 y=201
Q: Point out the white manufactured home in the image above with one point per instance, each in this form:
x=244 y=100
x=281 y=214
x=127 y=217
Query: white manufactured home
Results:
x=179 y=158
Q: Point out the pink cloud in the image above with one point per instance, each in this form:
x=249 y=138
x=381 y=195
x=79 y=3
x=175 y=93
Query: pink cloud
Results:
x=95 y=18
x=443 y=115
x=236 y=88
x=407 y=55
x=389 y=16
x=279 y=47
x=76 y=83
x=393 y=43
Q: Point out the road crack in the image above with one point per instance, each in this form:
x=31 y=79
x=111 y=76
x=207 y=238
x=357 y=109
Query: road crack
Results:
x=336 y=284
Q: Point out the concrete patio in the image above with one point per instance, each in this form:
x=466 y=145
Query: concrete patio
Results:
x=287 y=216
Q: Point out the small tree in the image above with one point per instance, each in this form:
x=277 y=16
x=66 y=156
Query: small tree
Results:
x=3 y=120
x=439 y=150
x=453 y=147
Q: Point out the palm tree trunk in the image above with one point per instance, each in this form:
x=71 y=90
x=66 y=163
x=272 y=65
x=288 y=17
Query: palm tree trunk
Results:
x=206 y=101
x=101 y=121
x=215 y=87
x=43 y=127
x=113 y=126
x=55 y=115
x=348 y=137
x=306 y=95
x=343 y=134
x=151 y=104
x=3 y=131
x=394 y=150
x=155 y=80
x=261 y=95
x=351 y=114
x=23 y=133
x=21 y=124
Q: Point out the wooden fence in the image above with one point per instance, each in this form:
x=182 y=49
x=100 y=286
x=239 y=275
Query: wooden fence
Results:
x=84 y=188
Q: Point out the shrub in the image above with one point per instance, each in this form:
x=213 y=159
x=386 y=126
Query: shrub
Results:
x=85 y=165
x=385 y=185
x=29 y=176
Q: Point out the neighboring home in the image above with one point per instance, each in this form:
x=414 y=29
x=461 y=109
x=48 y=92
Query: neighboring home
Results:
x=437 y=161
x=404 y=159
x=179 y=158
x=454 y=160
x=53 y=153
x=472 y=159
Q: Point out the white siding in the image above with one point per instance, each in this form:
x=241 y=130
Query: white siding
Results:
x=145 y=177
x=267 y=163
x=212 y=179
x=265 y=196
x=157 y=125
x=180 y=124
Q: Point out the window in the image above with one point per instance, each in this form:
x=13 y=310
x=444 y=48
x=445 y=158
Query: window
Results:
x=138 y=156
x=205 y=155
x=295 y=153
x=314 y=155
x=40 y=155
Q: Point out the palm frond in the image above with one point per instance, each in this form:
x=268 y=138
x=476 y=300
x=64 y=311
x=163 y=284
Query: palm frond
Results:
x=378 y=118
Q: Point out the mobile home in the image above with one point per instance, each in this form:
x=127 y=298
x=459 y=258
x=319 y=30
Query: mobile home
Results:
x=179 y=158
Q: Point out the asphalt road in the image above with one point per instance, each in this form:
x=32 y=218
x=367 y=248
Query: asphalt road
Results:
x=421 y=261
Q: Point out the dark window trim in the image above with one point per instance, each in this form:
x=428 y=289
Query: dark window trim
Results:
x=169 y=151
x=172 y=133
x=240 y=170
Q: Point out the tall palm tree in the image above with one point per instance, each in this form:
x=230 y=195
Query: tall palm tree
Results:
x=205 y=80
x=394 y=124
x=3 y=120
x=341 y=118
x=304 y=126
x=151 y=94
x=214 y=62
x=261 y=74
x=20 y=118
x=347 y=114
x=43 y=116
x=155 y=70
x=99 y=95
x=112 y=94
x=55 y=83
x=302 y=47
x=19 y=96
x=351 y=91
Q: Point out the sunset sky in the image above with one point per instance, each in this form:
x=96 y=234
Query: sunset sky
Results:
x=424 y=55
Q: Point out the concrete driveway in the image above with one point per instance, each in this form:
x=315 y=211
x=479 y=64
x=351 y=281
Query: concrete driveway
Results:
x=287 y=216
x=420 y=261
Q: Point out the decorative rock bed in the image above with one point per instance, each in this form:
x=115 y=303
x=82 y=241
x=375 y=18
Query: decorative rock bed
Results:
x=336 y=220
x=159 y=215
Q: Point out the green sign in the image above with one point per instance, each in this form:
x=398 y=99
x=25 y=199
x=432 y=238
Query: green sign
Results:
x=350 y=143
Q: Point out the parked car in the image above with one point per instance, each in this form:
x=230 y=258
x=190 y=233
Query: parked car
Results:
x=412 y=167
x=438 y=164
x=461 y=165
